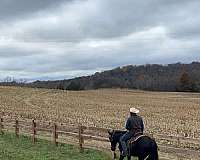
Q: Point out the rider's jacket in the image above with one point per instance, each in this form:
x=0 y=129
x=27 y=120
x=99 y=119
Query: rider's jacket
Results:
x=135 y=124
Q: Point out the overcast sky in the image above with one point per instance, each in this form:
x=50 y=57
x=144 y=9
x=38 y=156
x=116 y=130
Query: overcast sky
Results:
x=55 y=39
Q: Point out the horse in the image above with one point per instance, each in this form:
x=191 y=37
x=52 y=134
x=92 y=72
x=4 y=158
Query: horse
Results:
x=145 y=148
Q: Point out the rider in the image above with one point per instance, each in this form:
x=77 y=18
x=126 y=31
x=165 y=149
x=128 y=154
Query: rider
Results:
x=134 y=126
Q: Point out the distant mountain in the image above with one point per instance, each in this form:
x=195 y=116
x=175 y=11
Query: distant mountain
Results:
x=153 y=77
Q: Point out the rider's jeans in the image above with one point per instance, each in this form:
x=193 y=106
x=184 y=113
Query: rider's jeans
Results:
x=123 y=140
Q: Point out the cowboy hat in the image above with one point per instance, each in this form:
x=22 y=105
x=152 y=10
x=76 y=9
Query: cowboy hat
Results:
x=134 y=110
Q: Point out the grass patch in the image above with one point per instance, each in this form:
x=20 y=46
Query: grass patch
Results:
x=12 y=148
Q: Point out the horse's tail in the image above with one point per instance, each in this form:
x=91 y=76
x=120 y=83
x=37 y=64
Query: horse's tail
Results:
x=154 y=151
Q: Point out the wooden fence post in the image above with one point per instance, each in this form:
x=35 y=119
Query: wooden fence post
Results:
x=178 y=139
x=34 y=131
x=1 y=126
x=55 y=134
x=81 y=140
x=179 y=143
x=17 y=128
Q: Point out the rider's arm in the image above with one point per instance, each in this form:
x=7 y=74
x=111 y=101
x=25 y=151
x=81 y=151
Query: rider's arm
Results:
x=128 y=124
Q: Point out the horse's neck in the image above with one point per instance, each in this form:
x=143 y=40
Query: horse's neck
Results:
x=120 y=134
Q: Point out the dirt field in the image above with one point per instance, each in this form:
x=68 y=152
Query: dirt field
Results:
x=163 y=113
x=166 y=113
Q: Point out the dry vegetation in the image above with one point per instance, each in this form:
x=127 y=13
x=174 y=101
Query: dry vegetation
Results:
x=164 y=113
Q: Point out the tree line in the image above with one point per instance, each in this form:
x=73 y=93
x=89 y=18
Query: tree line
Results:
x=152 y=77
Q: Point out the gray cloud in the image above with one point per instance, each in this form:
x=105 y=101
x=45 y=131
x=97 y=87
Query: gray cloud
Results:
x=78 y=37
x=15 y=9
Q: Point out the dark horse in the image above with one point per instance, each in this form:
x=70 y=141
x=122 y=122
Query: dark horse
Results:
x=145 y=148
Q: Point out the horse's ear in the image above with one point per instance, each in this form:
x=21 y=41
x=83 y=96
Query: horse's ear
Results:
x=110 y=132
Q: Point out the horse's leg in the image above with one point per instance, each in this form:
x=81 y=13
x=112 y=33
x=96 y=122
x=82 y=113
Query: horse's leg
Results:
x=129 y=157
x=121 y=157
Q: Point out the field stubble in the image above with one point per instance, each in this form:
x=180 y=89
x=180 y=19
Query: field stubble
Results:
x=163 y=112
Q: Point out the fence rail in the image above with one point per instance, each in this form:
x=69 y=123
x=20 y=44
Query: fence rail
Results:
x=33 y=128
x=81 y=133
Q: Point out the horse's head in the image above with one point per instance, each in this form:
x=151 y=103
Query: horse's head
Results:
x=113 y=140
x=114 y=137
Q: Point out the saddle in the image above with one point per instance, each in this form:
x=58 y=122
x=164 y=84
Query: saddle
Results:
x=135 y=138
x=132 y=141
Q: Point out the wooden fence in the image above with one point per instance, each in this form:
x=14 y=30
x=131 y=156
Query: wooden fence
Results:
x=58 y=132
x=32 y=128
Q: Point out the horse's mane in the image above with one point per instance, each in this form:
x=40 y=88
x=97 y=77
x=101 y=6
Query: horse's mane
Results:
x=119 y=131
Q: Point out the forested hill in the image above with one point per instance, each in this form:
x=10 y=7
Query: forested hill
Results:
x=171 y=77
x=153 y=77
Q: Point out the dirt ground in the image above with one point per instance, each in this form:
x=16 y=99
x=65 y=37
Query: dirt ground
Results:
x=163 y=112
